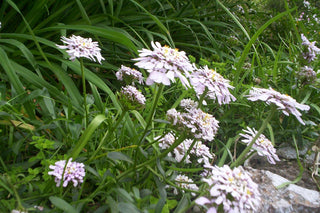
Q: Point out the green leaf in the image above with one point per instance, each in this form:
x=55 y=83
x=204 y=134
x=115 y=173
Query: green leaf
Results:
x=62 y=204
x=119 y=156
x=86 y=136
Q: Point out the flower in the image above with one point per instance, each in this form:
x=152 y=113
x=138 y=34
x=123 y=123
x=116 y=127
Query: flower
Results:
x=199 y=150
x=202 y=151
x=78 y=47
x=132 y=98
x=128 y=74
x=215 y=87
x=230 y=190
x=262 y=145
x=307 y=75
x=17 y=211
x=198 y=123
x=285 y=103
x=188 y=103
x=73 y=171
x=313 y=50
x=185 y=182
x=164 y=64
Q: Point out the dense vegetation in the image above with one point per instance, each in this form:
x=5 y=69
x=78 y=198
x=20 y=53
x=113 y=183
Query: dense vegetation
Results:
x=223 y=94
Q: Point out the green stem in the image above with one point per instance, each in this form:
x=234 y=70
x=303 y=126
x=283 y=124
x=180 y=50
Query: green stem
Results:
x=84 y=93
x=156 y=99
x=152 y=160
x=107 y=136
x=243 y=155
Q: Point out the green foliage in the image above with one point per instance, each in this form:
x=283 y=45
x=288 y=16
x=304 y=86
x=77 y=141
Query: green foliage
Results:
x=42 y=116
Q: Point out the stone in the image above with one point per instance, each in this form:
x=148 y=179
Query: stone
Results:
x=291 y=198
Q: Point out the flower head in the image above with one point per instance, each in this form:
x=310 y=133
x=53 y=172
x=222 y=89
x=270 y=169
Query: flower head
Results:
x=198 y=123
x=205 y=80
x=230 y=190
x=128 y=74
x=164 y=64
x=200 y=151
x=285 y=103
x=78 y=47
x=132 y=98
x=73 y=171
x=307 y=75
x=262 y=145
x=185 y=182
x=312 y=49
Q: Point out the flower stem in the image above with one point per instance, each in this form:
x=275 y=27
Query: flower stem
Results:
x=107 y=136
x=156 y=99
x=84 y=93
x=243 y=155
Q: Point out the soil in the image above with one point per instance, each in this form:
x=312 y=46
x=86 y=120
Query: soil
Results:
x=288 y=169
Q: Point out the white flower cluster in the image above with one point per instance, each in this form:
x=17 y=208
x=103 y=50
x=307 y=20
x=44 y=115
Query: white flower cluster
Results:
x=215 y=87
x=199 y=150
x=132 y=97
x=230 y=191
x=200 y=124
x=307 y=75
x=262 y=145
x=185 y=182
x=285 y=103
x=164 y=64
x=78 y=47
x=312 y=49
x=72 y=172
x=128 y=74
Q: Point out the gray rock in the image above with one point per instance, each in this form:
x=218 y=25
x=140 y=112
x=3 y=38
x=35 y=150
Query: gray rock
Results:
x=291 y=198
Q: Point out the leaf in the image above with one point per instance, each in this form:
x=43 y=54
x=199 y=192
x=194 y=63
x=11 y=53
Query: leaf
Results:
x=86 y=136
x=119 y=156
x=62 y=204
x=124 y=195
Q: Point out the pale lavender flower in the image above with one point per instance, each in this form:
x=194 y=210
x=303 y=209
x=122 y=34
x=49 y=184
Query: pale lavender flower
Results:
x=313 y=50
x=285 y=103
x=126 y=73
x=73 y=172
x=231 y=190
x=185 y=182
x=78 y=47
x=188 y=103
x=306 y=4
x=164 y=64
x=132 y=97
x=262 y=145
x=205 y=80
x=202 y=152
x=17 y=211
x=307 y=75
x=180 y=151
x=200 y=124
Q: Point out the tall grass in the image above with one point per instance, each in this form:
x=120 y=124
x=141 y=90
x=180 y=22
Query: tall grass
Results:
x=42 y=118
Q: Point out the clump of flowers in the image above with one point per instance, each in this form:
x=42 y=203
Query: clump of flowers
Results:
x=199 y=150
x=210 y=83
x=164 y=64
x=72 y=172
x=78 y=47
x=307 y=75
x=230 y=191
x=262 y=145
x=129 y=75
x=312 y=49
x=185 y=182
x=285 y=103
x=132 y=98
x=200 y=124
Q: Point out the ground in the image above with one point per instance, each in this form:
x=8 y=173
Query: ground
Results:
x=288 y=169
